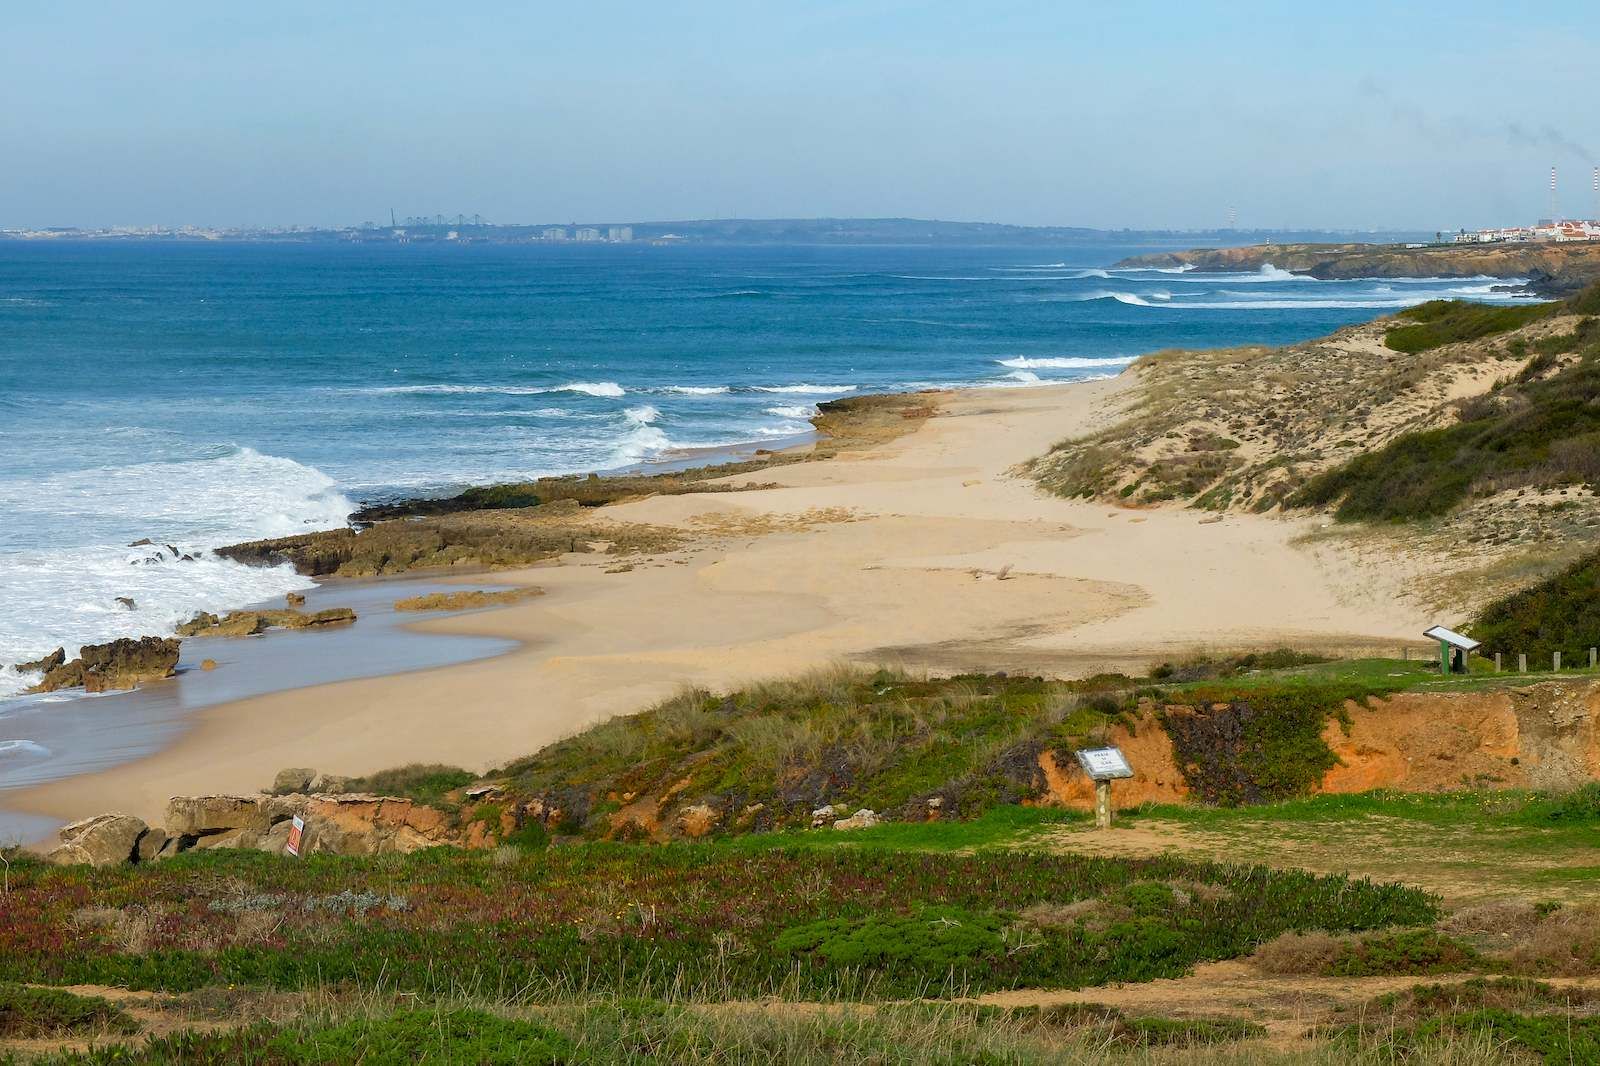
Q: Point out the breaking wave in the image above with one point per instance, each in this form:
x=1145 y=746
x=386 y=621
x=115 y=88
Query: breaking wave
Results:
x=1066 y=362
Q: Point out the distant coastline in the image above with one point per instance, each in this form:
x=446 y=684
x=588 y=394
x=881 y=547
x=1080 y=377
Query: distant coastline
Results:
x=461 y=230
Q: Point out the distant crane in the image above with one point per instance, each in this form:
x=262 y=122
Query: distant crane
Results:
x=392 y=222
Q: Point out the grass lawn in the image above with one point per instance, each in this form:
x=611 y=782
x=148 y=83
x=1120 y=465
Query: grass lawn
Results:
x=1462 y=846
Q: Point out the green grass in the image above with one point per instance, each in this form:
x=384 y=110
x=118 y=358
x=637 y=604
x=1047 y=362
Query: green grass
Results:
x=1440 y=322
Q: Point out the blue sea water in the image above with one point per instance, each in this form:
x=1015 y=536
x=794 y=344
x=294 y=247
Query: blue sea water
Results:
x=199 y=394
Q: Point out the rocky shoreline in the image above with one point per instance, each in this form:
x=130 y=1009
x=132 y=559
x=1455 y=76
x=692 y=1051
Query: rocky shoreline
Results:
x=1552 y=270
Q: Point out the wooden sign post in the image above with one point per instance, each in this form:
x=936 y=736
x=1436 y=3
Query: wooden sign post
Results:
x=1104 y=765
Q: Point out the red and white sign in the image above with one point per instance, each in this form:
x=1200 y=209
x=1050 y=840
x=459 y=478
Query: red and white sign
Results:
x=296 y=828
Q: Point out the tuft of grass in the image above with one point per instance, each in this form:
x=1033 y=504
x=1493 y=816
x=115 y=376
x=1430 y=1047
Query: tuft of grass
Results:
x=422 y=782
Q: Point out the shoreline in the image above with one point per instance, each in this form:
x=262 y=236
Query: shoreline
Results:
x=927 y=550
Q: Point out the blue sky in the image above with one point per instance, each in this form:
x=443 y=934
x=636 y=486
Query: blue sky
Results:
x=1425 y=115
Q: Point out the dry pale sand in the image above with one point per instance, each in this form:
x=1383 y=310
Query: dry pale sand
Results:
x=890 y=555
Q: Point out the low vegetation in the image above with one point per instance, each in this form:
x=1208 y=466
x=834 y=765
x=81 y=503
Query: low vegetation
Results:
x=1538 y=429
x=1440 y=322
x=40 y=1013
x=707 y=921
x=1559 y=614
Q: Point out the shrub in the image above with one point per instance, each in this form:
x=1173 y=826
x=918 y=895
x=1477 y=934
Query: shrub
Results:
x=931 y=940
x=1410 y=951
x=1560 y=613
x=1440 y=322
x=34 y=1013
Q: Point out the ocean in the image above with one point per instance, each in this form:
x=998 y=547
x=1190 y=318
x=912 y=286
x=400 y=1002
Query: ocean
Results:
x=193 y=395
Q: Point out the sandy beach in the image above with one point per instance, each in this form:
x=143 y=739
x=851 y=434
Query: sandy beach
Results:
x=929 y=552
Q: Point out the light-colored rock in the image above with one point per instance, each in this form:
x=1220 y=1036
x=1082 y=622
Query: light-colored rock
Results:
x=197 y=815
x=293 y=779
x=862 y=819
x=332 y=784
x=150 y=844
x=822 y=816
x=244 y=839
x=103 y=840
x=208 y=664
x=698 y=820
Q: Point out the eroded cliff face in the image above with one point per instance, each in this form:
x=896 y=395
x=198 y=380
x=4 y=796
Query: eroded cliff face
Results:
x=1552 y=269
x=1542 y=736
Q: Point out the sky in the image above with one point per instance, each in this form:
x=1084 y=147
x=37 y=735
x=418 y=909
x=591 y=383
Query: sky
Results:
x=1422 y=115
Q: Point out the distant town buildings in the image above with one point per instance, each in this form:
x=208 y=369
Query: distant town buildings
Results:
x=586 y=233
x=620 y=234
x=1546 y=230
x=555 y=233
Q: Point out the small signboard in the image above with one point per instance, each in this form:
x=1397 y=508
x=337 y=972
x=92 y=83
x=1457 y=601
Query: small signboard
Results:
x=296 y=829
x=1104 y=764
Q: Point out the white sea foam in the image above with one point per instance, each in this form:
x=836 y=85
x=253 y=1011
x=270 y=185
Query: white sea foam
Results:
x=66 y=595
x=806 y=411
x=21 y=747
x=696 y=390
x=642 y=415
x=806 y=390
x=604 y=389
x=1066 y=362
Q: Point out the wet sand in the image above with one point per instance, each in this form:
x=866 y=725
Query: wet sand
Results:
x=929 y=551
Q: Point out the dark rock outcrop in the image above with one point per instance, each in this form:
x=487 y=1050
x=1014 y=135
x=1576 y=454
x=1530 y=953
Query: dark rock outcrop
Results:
x=118 y=664
x=45 y=665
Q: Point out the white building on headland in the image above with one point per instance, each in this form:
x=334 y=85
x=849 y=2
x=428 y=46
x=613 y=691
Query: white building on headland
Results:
x=619 y=233
x=555 y=233
x=1546 y=230
x=587 y=233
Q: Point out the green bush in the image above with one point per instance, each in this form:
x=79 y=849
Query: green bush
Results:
x=1560 y=613
x=930 y=940
x=1409 y=951
x=33 y=1013
x=1441 y=322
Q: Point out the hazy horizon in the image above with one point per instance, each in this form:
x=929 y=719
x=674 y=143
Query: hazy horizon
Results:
x=1146 y=116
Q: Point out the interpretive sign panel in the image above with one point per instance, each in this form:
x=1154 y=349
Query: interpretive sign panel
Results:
x=1104 y=764
x=296 y=829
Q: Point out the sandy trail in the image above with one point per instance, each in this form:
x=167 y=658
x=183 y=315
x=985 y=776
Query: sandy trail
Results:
x=889 y=555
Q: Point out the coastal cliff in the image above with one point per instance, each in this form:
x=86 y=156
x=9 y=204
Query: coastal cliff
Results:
x=1551 y=269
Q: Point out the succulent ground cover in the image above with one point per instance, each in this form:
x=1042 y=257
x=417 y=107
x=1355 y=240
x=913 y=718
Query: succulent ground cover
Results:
x=701 y=920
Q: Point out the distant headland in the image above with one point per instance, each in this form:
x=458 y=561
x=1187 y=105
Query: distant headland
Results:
x=1552 y=268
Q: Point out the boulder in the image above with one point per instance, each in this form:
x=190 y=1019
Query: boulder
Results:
x=293 y=779
x=698 y=820
x=126 y=603
x=332 y=784
x=294 y=599
x=62 y=675
x=104 y=840
x=194 y=816
x=242 y=839
x=208 y=664
x=862 y=819
x=151 y=844
x=822 y=816
x=45 y=665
